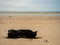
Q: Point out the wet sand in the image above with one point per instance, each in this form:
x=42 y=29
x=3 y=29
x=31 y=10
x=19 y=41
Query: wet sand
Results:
x=48 y=28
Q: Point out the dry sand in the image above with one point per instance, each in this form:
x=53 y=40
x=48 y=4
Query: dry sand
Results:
x=48 y=28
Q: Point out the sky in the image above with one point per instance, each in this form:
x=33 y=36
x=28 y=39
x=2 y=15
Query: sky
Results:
x=30 y=5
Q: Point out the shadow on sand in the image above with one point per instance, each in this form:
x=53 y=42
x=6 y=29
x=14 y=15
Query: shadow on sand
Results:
x=24 y=38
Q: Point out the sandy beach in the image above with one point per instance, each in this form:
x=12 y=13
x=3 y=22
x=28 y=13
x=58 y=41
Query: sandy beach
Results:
x=48 y=28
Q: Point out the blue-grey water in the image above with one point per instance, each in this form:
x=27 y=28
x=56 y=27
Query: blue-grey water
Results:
x=29 y=14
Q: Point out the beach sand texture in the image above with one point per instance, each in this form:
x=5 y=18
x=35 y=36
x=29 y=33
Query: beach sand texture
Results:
x=48 y=28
